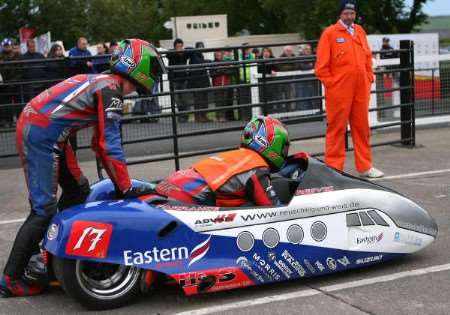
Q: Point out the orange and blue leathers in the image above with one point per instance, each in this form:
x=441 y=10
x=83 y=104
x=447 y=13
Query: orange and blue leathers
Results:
x=50 y=118
x=344 y=65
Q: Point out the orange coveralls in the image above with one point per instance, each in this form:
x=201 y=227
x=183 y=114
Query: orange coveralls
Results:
x=344 y=65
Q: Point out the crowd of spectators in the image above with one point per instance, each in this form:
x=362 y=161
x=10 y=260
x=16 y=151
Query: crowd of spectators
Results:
x=35 y=76
x=32 y=72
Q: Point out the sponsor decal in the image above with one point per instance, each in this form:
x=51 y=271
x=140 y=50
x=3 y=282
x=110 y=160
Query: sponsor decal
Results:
x=89 y=239
x=369 y=240
x=281 y=265
x=165 y=257
x=294 y=263
x=187 y=208
x=344 y=261
x=115 y=105
x=407 y=239
x=309 y=266
x=246 y=266
x=319 y=266
x=369 y=259
x=300 y=211
x=265 y=267
x=331 y=263
x=129 y=62
x=221 y=218
x=52 y=232
x=340 y=40
x=314 y=190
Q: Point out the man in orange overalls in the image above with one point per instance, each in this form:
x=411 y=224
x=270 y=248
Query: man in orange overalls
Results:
x=344 y=65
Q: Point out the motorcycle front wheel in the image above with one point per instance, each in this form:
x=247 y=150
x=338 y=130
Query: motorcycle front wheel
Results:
x=97 y=285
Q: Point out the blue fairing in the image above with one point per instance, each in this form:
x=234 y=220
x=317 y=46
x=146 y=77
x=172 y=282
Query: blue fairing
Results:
x=136 y=240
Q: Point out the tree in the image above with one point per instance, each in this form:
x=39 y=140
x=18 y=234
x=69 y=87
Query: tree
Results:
x=105 y=20
x=381 y=16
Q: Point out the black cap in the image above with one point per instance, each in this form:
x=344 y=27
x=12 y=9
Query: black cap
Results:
x=347 y=5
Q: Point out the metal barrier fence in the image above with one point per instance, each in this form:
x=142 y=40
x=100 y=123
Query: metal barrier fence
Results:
x=211 y=98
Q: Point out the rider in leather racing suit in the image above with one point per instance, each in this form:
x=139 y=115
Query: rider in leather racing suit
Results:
x=42 y=135
x=236 y=177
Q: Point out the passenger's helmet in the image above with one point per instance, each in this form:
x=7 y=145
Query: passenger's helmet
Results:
x=269 y=137
x=138 y=61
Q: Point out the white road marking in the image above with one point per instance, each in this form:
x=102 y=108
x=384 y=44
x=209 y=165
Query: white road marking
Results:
x=12 y=221
x=311 y=292
x=414 y=174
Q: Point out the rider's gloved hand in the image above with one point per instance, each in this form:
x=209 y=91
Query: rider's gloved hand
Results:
x=134 y=192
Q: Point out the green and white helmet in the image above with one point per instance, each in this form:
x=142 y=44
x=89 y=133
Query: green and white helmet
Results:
x=269 y=137
x=138 y=61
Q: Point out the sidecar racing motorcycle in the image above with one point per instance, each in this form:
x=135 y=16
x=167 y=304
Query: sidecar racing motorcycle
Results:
x=107 y=251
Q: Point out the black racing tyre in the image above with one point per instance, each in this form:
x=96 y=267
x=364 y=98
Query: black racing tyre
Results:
x=98 y=286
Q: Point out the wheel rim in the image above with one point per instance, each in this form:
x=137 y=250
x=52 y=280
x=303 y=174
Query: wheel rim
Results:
x=105 y=281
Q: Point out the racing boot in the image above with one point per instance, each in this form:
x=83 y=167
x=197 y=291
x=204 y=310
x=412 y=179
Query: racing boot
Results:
x=17 y=287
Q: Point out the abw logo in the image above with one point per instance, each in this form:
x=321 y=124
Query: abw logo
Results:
x=89 y=239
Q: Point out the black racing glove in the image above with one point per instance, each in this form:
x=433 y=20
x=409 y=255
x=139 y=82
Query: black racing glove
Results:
x=134 y=192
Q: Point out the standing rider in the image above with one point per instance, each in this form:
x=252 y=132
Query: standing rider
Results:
x=42 y=135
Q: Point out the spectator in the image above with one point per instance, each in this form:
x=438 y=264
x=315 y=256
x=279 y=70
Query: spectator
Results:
x=34 y=71
x=244 y=78
x=306 y=88
x=347 y=82
x=222 y=76
x=112 y=46
x=8 y=94
x=267 y=68
x=256 y=52
x=178 y=78
x=228 y=55
x=288 y=52
x=270 y=92
x=288 y=91
x=198 y=78
x=84 y=65
x=101 y=63
x=387 y=50
x=55 y=69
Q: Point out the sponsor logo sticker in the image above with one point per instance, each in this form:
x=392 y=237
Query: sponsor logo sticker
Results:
x=369 y=240
x=165 y=257
x=369 y=259
x=89 y=239
x=407 y=239
x=221 y=218
x=340 y=40
x=331 y=263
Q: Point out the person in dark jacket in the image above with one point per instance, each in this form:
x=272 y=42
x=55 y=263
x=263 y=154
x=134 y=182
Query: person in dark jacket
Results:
x=56 y=69
x=9 y=94
x=268 y=92
x=222 y=76
x=34 y=71
x=198 y=78
x=178 y=78
x=101 y=63
x=84 y=65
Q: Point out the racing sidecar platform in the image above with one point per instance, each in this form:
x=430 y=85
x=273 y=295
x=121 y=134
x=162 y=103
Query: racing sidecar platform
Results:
x=107 y=251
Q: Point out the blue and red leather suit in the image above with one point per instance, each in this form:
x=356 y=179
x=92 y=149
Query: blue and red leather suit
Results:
x=50 y=118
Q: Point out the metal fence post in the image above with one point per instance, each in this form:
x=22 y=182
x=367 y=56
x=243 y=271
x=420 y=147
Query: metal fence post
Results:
x=407 y=114
x=174 y=127
x=264 y=89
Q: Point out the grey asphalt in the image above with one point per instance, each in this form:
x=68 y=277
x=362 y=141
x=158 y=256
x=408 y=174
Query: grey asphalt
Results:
x=422 y=294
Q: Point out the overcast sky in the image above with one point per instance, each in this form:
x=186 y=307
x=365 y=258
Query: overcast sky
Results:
x=435 y=7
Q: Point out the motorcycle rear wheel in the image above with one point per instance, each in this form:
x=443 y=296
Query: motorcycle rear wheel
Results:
x=95 y=285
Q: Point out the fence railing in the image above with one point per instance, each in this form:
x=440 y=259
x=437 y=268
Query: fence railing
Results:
x=217 y=98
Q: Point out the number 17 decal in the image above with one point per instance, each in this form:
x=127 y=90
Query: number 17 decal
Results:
x=89 y=239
